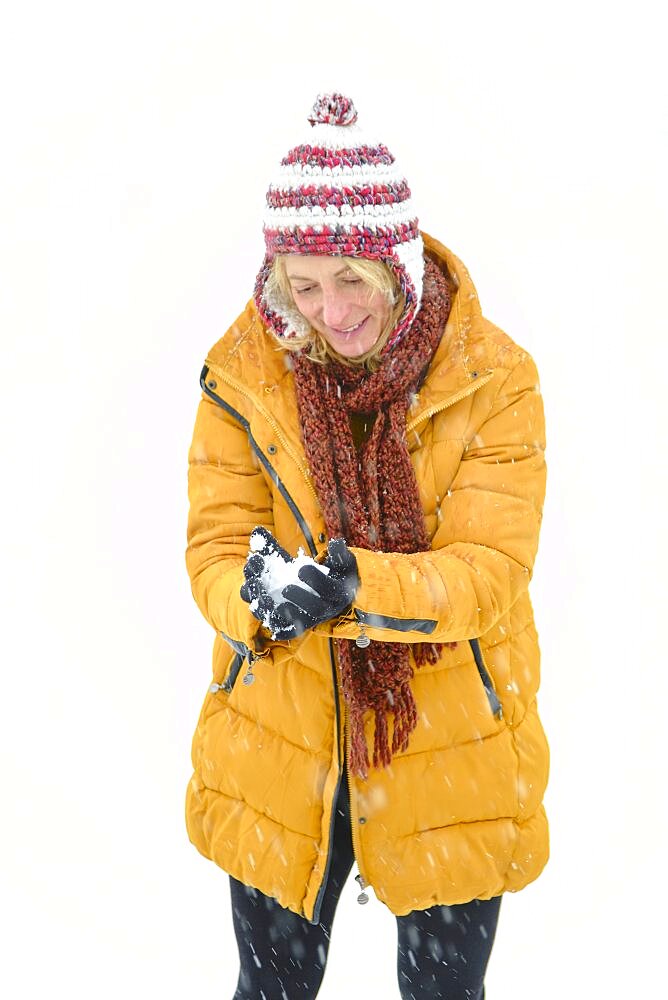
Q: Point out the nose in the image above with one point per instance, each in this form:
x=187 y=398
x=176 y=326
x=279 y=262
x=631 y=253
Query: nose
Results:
x=335 y=309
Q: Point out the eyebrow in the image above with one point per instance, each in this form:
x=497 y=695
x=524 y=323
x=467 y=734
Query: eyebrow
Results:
x=299 y=277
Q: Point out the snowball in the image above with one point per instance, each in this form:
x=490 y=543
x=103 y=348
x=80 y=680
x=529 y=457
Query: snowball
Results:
x=278 y=573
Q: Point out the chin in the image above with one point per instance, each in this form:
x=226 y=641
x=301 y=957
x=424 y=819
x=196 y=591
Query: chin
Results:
x=348 y=351
x=353 y=349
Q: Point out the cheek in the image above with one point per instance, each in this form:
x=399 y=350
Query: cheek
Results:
x=376 y=302
x=305 y=306
x=381 y=309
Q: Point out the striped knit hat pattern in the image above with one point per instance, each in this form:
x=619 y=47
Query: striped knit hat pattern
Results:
x=340 y=193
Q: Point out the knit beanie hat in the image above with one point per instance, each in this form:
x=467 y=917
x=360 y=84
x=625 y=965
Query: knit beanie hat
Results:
x=339 y=192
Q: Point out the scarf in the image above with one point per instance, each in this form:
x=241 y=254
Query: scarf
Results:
x=369 y=496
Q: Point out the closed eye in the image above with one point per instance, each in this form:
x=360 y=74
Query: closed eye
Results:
x=310 y=288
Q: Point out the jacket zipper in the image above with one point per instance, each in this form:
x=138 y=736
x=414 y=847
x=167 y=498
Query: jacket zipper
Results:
x=492 y=697
x=302 y=524
x=233 y=384
x=337 y=713
x=458 y=396
x=230 y=679
x=354 y=822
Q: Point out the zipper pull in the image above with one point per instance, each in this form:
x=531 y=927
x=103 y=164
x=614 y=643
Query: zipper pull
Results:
x=362 y=640
x=215 y=687
x=249 y=676
x=363 y=896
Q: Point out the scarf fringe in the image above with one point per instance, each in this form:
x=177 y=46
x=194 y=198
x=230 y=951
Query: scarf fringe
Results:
x=359 y=755
x=430 y=652
x=405 y=721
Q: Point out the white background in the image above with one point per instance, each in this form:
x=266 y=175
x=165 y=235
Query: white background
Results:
x=138 y=139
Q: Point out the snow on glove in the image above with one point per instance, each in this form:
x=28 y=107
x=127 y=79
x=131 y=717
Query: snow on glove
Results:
x=329 y=589
x=255 y=590
x=263 y=543
x=263 y=547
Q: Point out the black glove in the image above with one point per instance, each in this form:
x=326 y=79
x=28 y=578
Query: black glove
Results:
x=334 y=592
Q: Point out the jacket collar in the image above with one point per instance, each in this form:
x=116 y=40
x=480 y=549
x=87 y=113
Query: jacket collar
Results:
x=459 y=365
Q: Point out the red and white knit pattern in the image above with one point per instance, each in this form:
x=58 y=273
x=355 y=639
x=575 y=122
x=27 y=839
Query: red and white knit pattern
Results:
x=340 y=193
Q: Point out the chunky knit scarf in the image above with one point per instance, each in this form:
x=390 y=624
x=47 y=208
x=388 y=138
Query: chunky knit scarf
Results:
x=370 y=497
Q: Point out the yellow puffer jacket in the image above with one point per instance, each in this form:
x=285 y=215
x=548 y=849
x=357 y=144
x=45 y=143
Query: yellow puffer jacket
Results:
x=459 y=814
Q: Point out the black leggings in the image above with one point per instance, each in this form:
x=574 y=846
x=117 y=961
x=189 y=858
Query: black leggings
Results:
x=442 y=952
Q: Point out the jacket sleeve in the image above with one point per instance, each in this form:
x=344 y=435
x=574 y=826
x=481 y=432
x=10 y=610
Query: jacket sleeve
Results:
x=228 y=497
x=483 y=551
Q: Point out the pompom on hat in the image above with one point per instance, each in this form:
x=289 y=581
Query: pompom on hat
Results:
x=340 y=193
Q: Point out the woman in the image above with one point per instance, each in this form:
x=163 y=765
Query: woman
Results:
x=366 y=483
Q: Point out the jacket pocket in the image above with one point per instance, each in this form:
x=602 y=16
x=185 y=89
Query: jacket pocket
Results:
x=231 y=678
x=492 y=697
x=241 y=654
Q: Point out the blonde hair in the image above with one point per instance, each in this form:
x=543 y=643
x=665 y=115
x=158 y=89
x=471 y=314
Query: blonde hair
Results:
x=375 y=274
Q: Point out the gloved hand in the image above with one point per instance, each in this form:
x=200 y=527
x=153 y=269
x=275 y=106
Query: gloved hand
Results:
x=330 y=593
x=289 y=610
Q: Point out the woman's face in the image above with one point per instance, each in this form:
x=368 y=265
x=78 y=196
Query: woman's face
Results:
x=344 y=310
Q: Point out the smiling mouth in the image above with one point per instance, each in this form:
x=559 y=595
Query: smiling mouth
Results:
x=351 y=329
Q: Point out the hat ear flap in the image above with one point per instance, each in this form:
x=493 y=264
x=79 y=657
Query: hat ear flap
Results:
x=278 y=311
